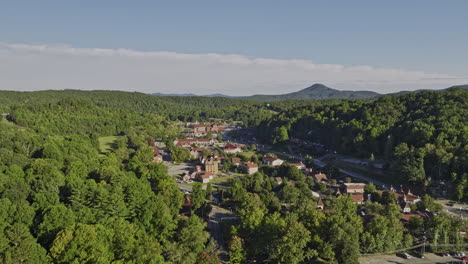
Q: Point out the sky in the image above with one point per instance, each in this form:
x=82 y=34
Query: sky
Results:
x=233 y=47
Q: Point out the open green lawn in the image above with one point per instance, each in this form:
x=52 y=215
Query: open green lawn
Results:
x=247 y=155
x=106 y=144
x=225 y=178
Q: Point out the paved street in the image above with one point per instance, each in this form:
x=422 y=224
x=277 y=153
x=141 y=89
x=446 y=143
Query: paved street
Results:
x=429 y=258
x=215 y=218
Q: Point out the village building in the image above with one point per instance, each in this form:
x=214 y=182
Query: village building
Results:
x=250 y=167
x=272 y=161
x=358 y=198
x=236 y=161
x=279 y=180
x=308 y=171
x=406 y=208
x=354 y=187
x=232 y=149
x=205 y=176
x=158 y=157
x=211 y=165
x=205 y=129
x=320 y=204
x=299 y=165
x=194 y=141
x=320 y=177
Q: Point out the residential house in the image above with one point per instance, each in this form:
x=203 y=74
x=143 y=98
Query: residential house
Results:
x=406 y=208
x=194 y=141
x=308 y=171
x=354 y=187
x=232 y=150
x=205 y=176
x=319 y=177
x=320 y=204
x=279 y=180
x=272 y=161
x=158 y=157
x=358 y=198
x=236 y=161
x=250 y=167
x=299 y=165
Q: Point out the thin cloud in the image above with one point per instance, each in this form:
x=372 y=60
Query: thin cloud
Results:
x=39 y=67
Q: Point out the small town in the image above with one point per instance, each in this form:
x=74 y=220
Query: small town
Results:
x=215 y=162
x=234 y=132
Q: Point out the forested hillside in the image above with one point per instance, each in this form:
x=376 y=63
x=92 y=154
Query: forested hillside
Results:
x=172 y=107
x=61 y=201
x=424 y=135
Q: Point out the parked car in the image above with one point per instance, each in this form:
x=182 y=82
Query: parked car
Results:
x=461 y=254
x=464 y=258
x=405 y=255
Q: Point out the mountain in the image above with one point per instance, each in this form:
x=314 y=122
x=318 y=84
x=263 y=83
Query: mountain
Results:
x=316 y=91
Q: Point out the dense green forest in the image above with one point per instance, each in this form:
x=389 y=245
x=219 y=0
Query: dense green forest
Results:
x=423 y=135
x=172 y=107
x=61 y=201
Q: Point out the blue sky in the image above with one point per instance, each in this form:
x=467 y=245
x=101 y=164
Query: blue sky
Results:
x=408 y=36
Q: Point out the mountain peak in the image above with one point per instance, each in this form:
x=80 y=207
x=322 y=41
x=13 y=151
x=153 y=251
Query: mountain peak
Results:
x=317 y=86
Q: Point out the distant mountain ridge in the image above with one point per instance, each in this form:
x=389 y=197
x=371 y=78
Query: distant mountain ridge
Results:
x=316 y=91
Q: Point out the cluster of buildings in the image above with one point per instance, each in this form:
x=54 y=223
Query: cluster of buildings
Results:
x=357 y=193
x=201 y=130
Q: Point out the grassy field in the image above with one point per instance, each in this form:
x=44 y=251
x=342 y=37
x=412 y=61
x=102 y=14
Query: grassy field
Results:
x=247 y=154
x=225 y=178
x=106 y=144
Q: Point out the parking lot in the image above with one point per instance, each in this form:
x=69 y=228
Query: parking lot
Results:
x=178 y=169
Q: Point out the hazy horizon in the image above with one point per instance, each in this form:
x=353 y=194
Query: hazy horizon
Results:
x=236 y=49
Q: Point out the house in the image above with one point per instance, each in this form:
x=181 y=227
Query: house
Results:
x=211 y=165
x=319 y=177
x=194 y=141
x=232 y=150
x=205 y=176
x=236 y=161
x=299 y=165
x=320 y=204
x=354 y=187
x=278 y=180
x=203 y=129
x=272 y=161
x=308 y=171
x=405 y=197
x=158 y=157
x=358 y=198
x=250 y=167
x=196 y=152
x=406 y=208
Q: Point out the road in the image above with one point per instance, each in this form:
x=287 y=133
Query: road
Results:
x=215 y=217
x=319 y=163
x=460 y=210
x=429 y=258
